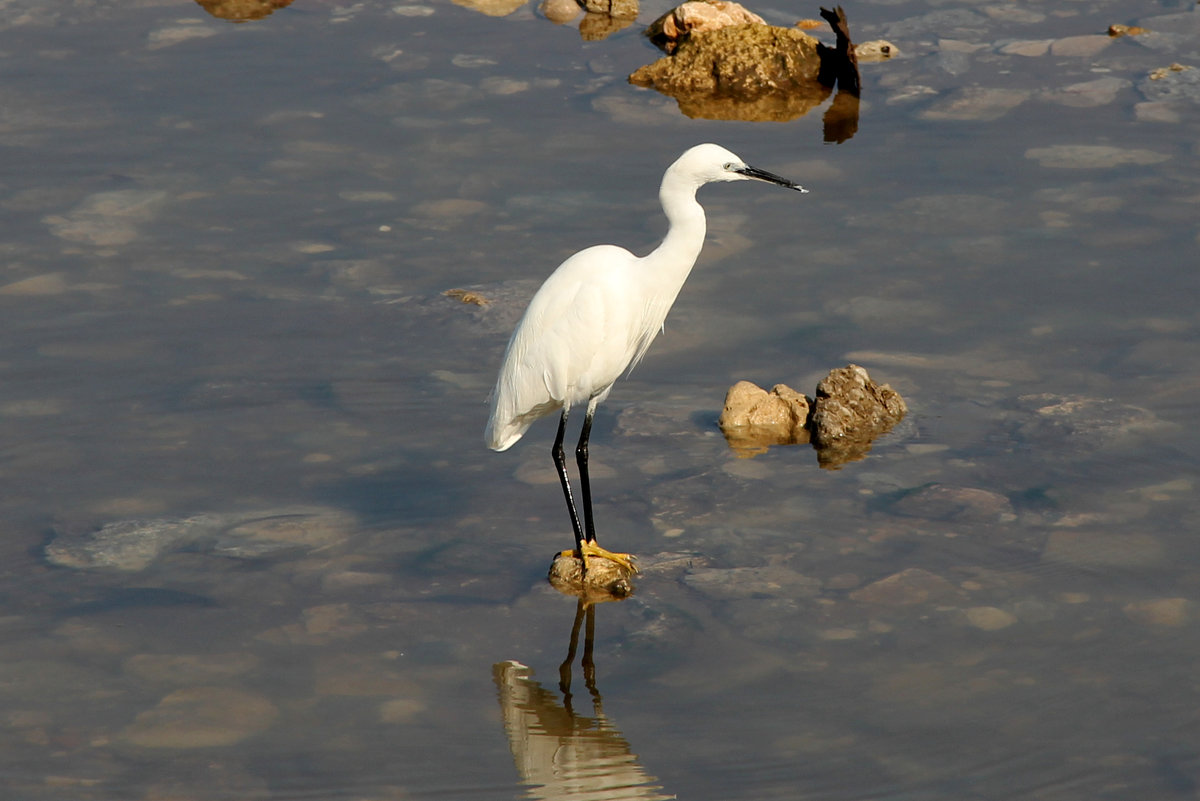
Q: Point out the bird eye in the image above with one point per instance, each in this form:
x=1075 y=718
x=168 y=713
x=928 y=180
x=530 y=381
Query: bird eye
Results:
x=729 y=165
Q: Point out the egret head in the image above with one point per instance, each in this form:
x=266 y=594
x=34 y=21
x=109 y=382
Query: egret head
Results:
x=709 y=162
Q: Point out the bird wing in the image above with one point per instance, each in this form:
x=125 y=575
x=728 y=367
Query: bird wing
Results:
x=572 y=343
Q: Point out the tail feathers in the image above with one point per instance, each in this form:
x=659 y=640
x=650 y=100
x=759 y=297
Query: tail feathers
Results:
x=504 y=430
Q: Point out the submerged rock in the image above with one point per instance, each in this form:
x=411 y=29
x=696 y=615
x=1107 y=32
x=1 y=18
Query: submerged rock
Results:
x=908 y=588
x=133 y=545
x=201 y=717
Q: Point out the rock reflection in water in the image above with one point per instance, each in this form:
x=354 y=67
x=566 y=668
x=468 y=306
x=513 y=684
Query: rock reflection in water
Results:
x=561 y=754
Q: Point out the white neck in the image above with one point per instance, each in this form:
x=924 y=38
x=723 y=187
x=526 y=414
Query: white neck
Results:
x=674 y=258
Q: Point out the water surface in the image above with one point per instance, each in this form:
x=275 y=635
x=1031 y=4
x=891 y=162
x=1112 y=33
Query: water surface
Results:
x=225 y=252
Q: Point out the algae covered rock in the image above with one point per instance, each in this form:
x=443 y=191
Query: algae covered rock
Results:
x=849 y=412
x=744 y=61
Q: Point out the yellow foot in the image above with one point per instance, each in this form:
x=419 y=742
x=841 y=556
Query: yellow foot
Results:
x=625 y=560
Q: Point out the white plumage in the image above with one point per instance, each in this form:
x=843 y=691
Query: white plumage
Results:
x=596 y=315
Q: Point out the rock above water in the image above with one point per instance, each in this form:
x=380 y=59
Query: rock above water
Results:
x=754 y=419
x=747 y=71
x=698 y=16
x=849 y=412
x=605 y=580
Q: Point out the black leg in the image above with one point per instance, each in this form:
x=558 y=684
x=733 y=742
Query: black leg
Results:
x=585 y=483
x=560 y=462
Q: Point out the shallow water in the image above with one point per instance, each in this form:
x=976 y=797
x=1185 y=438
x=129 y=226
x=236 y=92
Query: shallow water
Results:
x=254 y=547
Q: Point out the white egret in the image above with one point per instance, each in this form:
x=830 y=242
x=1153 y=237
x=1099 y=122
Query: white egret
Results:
x=594 y=318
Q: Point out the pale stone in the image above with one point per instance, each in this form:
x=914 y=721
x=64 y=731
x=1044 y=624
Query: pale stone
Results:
x=699 y=16
x=201 y=717
x=989 y=618
x=559 y=11
x=753 y=419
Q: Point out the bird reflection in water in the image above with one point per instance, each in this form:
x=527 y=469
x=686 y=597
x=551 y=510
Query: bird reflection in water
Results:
x=559 y=753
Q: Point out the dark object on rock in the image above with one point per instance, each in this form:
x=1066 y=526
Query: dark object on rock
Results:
x=605 y=579
x=840 y=65
x=849 y=412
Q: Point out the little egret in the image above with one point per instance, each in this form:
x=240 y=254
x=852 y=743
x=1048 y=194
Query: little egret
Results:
x=594 y=318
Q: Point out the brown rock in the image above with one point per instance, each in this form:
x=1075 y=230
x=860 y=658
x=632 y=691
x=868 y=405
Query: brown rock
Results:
x=850 y=411
x=718 y=73
x=623 y=9
x=605 y=580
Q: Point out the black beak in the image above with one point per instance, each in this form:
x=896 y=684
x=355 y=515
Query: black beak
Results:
x=769 y=177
